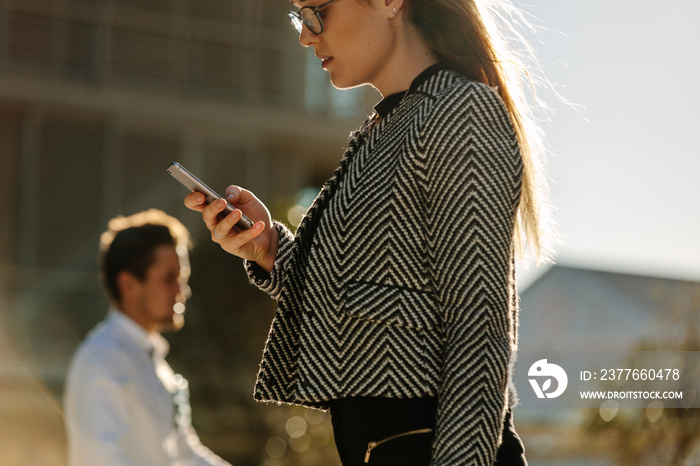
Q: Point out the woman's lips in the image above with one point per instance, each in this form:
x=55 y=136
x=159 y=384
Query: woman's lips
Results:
x=325 y=61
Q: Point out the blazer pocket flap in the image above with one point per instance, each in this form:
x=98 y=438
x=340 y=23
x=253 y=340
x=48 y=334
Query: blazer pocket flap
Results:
x=394 y=306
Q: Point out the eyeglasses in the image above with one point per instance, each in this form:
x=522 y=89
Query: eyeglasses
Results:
x=309 y=16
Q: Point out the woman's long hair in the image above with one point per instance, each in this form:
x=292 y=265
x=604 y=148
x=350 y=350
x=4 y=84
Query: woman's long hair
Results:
x=477 y=39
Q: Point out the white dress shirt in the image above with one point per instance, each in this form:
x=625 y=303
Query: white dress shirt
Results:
x=124 y=405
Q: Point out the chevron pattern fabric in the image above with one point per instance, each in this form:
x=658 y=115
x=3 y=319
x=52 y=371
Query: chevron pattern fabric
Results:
x=400 y=279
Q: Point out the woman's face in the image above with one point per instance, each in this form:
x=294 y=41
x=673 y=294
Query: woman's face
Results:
x=356 y=44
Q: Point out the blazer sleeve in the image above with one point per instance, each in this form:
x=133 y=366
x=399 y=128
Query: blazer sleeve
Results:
x=272 y=283
x=474 y=173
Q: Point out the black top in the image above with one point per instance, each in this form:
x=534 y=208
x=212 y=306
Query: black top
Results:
x=390 y=102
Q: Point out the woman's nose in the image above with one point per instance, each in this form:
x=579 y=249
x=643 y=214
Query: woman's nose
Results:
x=306 y=37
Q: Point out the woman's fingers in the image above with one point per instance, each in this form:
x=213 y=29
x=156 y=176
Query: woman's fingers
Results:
x=195 y=201
x=237 y=195
x=210 y=213
x=223 y=228
x=236 y=241
x=248 y=244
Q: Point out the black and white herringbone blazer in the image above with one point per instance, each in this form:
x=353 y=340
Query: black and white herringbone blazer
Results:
x=399 y=281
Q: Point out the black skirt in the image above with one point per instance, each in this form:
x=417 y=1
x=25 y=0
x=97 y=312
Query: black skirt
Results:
x=400 y=432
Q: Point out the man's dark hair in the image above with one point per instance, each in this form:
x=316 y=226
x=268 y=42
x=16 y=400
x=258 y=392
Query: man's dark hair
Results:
x=129 y=244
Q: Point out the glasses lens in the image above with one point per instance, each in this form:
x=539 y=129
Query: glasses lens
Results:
x=310 y=19
x=296 y=20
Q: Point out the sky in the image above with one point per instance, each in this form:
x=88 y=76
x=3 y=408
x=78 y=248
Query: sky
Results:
x=625 y=159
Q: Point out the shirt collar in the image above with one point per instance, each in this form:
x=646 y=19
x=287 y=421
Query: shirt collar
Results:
x=150 y=342
x=390 y=102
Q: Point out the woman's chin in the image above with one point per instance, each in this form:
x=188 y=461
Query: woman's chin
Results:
x=340 y=83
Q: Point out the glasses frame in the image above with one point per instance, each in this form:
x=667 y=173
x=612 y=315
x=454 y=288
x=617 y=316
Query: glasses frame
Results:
x=299 y=21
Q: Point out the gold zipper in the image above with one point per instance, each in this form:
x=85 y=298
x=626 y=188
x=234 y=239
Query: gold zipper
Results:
x=372 y=445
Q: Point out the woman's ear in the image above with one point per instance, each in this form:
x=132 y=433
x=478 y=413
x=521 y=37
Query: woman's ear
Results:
x=394 y=6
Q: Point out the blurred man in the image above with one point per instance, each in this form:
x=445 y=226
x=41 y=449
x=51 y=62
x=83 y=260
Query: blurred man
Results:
x=124 y=405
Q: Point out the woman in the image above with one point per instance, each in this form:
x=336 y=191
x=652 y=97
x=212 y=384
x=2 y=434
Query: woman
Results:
x=397 y=307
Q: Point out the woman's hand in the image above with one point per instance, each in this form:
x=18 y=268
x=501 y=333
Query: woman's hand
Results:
x=258 y=243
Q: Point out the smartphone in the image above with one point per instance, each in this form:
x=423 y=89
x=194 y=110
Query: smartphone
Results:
x=193 y=183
